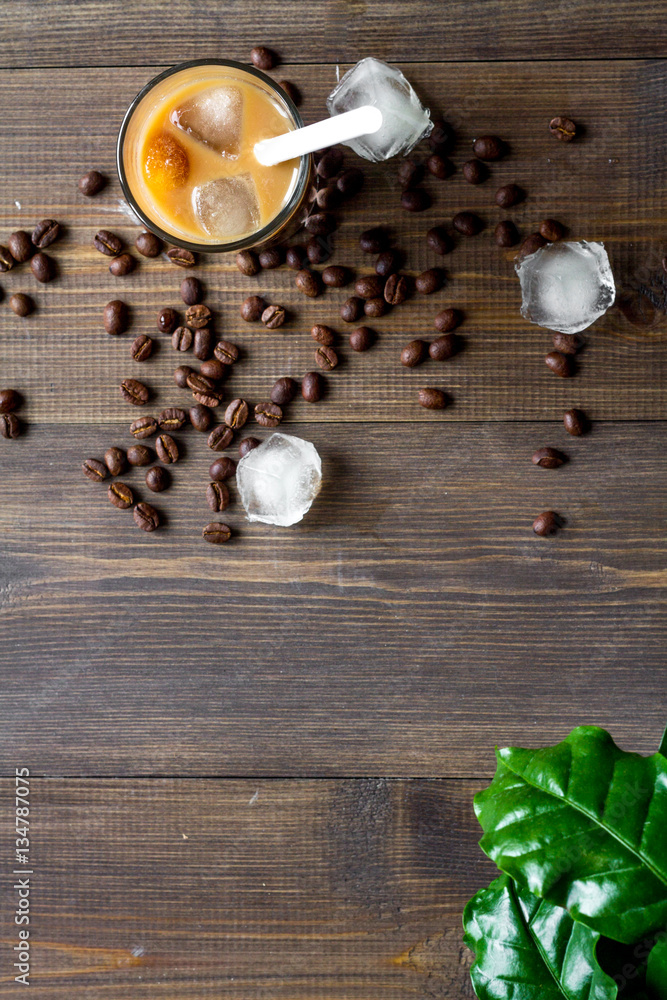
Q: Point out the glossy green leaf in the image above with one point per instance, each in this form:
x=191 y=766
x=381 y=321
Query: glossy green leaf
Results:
x=656 y=973
x=663 y=745
x=527 y=949
x=584 y=825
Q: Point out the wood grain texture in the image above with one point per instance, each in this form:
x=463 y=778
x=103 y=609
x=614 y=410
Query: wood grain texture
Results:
x=411 y=622
x=69 y=32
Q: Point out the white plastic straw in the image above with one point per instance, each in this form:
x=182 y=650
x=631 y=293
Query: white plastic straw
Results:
x=339 y=128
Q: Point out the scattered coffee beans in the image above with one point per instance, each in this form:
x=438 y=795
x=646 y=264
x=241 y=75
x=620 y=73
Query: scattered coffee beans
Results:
x=321 y=224
x=532 y=243
x=547 y=523
x=432 y=399
x=148 y=244
x=236 y=414
x=396 y=289
x=560 y=364
x=292 y=91
x=167 y=449
x=248 y=444
x=173 y=418
x=21 y=246
x=216 y=533
x=323 y=334
x=201 y=417
x=142 y=348
x=21 y=304
x=181 y=258
x=181 y=338
x=252 y=308
x=308 y=282
x=121 y=266
x=285 y=389
x=42 y=267
x=410 y=174
x=146 y=517
x=352 y=309
x=144 y=427
x=271 y=258
x=439 y=240
x=226 y=352
x=192 y=292
x=442 y=138
x=576 y=422
x=181 y=375
x=374 y=308
x=220 y=437
x=296 y=258
x=429 y=281
x=274 y=317
x=139 y=454
x=93 y=469
x=370 y=286
x=157 y=479
x=202 y=344
x=506 y=234
x=443 y=348
x=248 y=263
x=167 y=320
x=509 y=195
x=115 y=460
x=467 y=223
x=10 y=400
x=414 y=353
x=350 y=182
x=415 y=200
x=330 y=163
x=198 y=316
x=362 y=339
x=107 y=243
x=448 y=319
x=374 y=240
x=268 y=414
x=223 y=468
x=336 y=276
x=568 y=343
x=551 y=230
x=312 y=387
x=116 y=317
x=549 y=458
x=217 y=496
x=563 y=128
x=387 y=263
x=44 y=234
x=120 y=495
x=214 y=369
x=326 y=357
x=134 y=392
x=263 y=58
x=474 y=171
x=204 y=390
x=439 y=166
x=488 y=147
x=92 y=183
x=10 y=426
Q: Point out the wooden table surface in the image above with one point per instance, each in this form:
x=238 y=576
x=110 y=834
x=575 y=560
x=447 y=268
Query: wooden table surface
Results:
x=253 y=766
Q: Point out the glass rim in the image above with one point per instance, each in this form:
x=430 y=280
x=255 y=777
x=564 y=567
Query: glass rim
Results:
x=247 y=241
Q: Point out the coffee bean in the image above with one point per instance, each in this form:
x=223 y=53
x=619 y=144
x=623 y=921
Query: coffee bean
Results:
x=429 y=281
x=308 y=282
x=144 y=427
x=443 y=138
x=44 y=234
x=274 y=317
x=181 y=257
x=223 y=468
x=42 y=267
x=93 y=469
x=181 y=375
x=576 y=422
x=551 y=230
x=488 y=147
x=158 y=479
x=116 y=317
x=326 y=357
x=410 y=173
x=414 y=353
x=6 y=260
x=121 y=266
x=115 y=460
x=107 y=243
x=328 y=197
x=560 y=364
x=547 y=523
x=439 y=240
x=217 y=496
x=134 y=392
x=548 y=458
x=296 y=257
x=563 y=128
x=362 y=338
x=226 y=352
x=173 y=418
x=263 y=58
x=374 y=240
x=292 y=91
x=142 y=348
x=167 y=320
x=387 y=263
x=318 y=249
x=216 y=533
x=181 y=338
x=198 y=316
x=120 y=495
x=247 y=263
x=531 y=244
x=220 y=438
x=568 y=343
x=352 y=309
x=146 y=517
x=92 y=183
x=10 y=426
x=350 y=182
x=321 y=224
x=443 y=348
x=204 y=390
x=191 y=292
x=467 y=223
x=247 y=445
x=323 y=334
x=202 y=346
x=139 y=454
x=285 y=389
x=439 y=166
x=21 y=304
x=396 y=290
x=252 y=308
x=21 y=246
x=10 y=400
x=312 y=387
x=236 y=414
x=448 y=319
x=271 y=258
x=330 y=163
x=336 y=276
x=268 y=414
x=415 y=200
x=201 y=418
x=506 y=234
x=509 y=195
x=214 y=369
x=474 y=171
x=369 y=286
x=167 y=449
x=148 y=244
x=374 y=308
x=432 y=399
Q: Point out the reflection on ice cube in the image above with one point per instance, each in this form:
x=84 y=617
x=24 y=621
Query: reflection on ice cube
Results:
x=227 y=208
x=213 y=116
x=279 y=480
x=566 y=286
x=405 y=120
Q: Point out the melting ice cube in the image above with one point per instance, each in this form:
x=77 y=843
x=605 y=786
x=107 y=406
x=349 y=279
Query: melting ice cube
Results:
x=227 y=208
x=566 y=286
x=405 y=120
x=214 y=117
x=279 y=480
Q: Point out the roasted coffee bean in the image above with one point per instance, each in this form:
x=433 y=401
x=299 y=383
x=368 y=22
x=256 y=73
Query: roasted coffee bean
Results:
x=563 y=128
x=121 y=265
x=10 y=426
x=21 y=246
x=374 y=308
x=560 y=364
x=326 y=357
x=296 y=257
x=248 y=263
x=488 y=147
x=142 y=348
x=429 y=281
x=158 y=479
x=323 y=334
x=6 y=260
x=439 y=166
x=330 y=163
x=181 y=258
x=271 y=258
x=509 y=195
x=92 y=183
x=415 y=200
x=214 y=369
x=432 y=399
x=220 y=438
x=336 y=276
x=181 y=375
x=144 y=427
x=321 y=224
x=44 y=234
x=292 y=91
x=172 y=418
x=352 y=309
x=10 y=400
x=263 y=58
x=107 y=243
x=93 y=469
x=42 y=267
x=167 y=320
x=21 y=304
x=439 y=240
x=374 y=240
x=547 y=523
x=568 y=343
x=269 y=414
x=252 y=308
x=576 y=422
x=308 y=282
x=443 y=138
x=467 y=223
x=217 y=496
x=414 y=353
x=312 y=387
x=551 y=230
x=387 y=263
x=146 y=517
x=506 y=234
x=204 y=390
x=274 y=317
x=410 y=174
x=148 y=244
x=226 y=352
x=443 y=348
x=328 y=197
x=236 y=414
x=216 y=533
x=222 y=468
x=531 y=244
x=134 y=392
x=396 y=289
x=248 y=444
x=447 y=319
x=202 y=346
x=318 y=249
x=201 y=417
x=192 y=292
x=139 y=454
x=549 y=458
x=474 y=171
x=181 y=338
x=362 y=338
x=116 y=317
x=198 y=316
x=369 y=286
x=167 y=449
x=120 y=495
x=350 y=182
x=285 y=389
x=115 y=460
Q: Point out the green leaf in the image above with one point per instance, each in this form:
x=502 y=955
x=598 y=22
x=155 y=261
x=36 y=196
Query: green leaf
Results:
x=663 y=745
x=656 y=973
x=528 y=949
x=583 y=824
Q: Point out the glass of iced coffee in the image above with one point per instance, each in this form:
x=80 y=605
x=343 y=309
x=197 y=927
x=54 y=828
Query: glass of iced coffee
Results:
x=186 y=162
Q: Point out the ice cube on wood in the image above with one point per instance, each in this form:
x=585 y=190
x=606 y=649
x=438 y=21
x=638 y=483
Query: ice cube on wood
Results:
x=279 y=480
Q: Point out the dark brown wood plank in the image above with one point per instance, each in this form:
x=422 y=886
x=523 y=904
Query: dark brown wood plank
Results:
x=411 y=622
x=97 y=33
x=249 y=889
